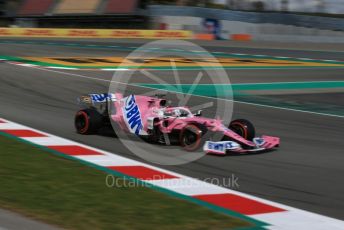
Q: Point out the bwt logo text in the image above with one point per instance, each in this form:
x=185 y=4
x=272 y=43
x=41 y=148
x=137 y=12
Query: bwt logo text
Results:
x=132 y=115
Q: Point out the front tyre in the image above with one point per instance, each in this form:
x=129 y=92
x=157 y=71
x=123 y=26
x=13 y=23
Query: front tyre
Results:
x=244 y=128
x=88 y=121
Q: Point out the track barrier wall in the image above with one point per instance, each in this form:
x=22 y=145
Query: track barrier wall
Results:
x=95 y=33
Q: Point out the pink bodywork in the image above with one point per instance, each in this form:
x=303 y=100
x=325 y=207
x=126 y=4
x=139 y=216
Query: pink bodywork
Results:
x=151 y=109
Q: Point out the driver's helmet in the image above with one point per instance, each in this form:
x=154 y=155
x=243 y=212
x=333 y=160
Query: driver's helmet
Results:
x=176 y=112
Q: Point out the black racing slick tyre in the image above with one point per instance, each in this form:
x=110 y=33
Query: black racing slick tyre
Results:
x=191 y=137
x=244 y=128
x=88 y=121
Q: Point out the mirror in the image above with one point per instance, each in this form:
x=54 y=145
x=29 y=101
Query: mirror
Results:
x=198 y=113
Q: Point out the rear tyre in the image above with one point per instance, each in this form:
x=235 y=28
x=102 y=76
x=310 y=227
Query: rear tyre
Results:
x=244 y=128
x=191 y=137
x=88 y=121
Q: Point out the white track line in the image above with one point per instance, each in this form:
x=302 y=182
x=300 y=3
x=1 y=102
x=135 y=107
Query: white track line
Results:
x=273 y=83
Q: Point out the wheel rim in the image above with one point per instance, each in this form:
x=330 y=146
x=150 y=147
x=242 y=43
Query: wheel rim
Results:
x=81 y=122
x=240 y=129
x=191 y=138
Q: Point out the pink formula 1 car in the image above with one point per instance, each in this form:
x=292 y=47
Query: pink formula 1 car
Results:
x=150 y=119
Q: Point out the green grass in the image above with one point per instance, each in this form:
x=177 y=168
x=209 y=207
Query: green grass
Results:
x=71 y=195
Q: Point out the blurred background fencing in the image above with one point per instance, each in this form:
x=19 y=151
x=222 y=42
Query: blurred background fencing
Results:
x=282 y=20
x=54 y=7
x=75 y=13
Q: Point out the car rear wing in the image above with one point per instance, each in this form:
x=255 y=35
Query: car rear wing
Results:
x=98 y=101
x=96 y=98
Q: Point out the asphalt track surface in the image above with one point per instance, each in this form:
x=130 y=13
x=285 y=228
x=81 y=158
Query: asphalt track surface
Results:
x=306 y=172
